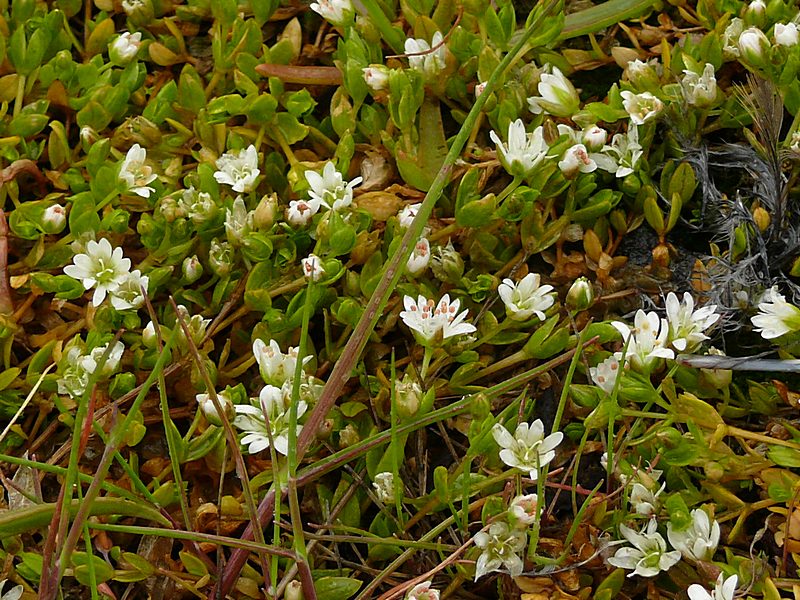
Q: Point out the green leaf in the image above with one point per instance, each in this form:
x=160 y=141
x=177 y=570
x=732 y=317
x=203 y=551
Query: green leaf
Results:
x=336 y=588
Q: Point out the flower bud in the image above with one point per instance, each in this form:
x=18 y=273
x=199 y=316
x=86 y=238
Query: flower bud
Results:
x=753 y=46
x=384 y=487
x=594 y=138
x=580 y=295
x=171 y=209
x=294 y=591
x=192 y=269
x=479 y=87
x=88 y=138
x=420 y=257
x=312 y=267
x=264 y=216
x=524 y=509
x=54 y=219
x=220 y=257
x=210 y=411
x=149 y=338
x=642 y=75
x=377 y=77
x=756 y=13
x=786 y=35
x=576 y=160
x=447 y=264
x=124 y=49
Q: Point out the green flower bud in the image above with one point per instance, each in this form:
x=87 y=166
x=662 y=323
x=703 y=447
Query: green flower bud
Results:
x=408 y=395
x=447 y=264
x=580 y=295
x=220 y=257
x=265 y=212
x=754 y=46
x=192 y=269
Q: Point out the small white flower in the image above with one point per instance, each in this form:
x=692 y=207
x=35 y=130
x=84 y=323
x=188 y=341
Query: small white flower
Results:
x=238 y=221
x=198 y=206
x=686 y=325
x=15 y=591
x=238 y=169
x=479 y=88
x=300 y=212
x=594 y=138
x=776 y=316
x=524 y=150
x=329 y=189
x=526 y=298
x=647 y=341
x=641 y=107
x=644 y=500
x=642 y=74
x=113 y=359
x=276 y=367
x=605 y=374
x=102 y=267
x=135 y=173
x=723 y=590
x=700 y=90
x=753 y=45
x=649 y=555
x=528 y=449
x=132 y=6
x=699 y=540
x=274 y=404
x=423 y=591
x=336 y=12
x=220 y=257
x=786 y=35
x=557 y=96
x=384 y=486
x=128 y=294
x=525 y=509
x=210 y=411
x=501 y=546
x=123 y=49
x=376 y=77
x=407 y=214
x=312 y=267
x=622 y=155
x=420 y=257
x=433 y=323
x=77 y=369
x=730 y=38
x=54 y=219
x=576 y=160
x=421 y=58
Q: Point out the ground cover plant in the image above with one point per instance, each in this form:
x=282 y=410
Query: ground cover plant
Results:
x=399 y=300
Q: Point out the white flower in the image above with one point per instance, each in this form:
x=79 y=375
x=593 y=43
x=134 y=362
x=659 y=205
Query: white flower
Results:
x=641 y=107
x=135 y=173
x=210 y=411
x=376 y=77
x=198 y=206
x=699 y=540
x=501 y=547
x=753 y=45
x=686 y=325
x=423 y=591
x=329 y=189
x=723 y=590
x=276 y=368
x=557 y=95
x=15 y=592
x=300 y=212
x=128 y=294
x=420 y=257
x=622 y=155
x=525 y=509
x=312 y=267
x=528 y=449
x=524 y=150
x=238 y=169
x=786 y=35
x=776 y=316
x=336 y=12
x=576 y=160
x=131 y=6
x=730 y=38
x=433 y=323
x=238 y=221
x=123 y=49
x=112 y=361
x=700 y=90
x=220 y=257
x=644 y=500
x=75 y=377
x=649 y=555
x=274 y=403
x=407 y=214
x=647 y=341
x=605 y=374
x=384 y=486
x=526 y=298
x=421 y=58
x=594 y=137
x=479 y=88
x=643 y=75
x=102 y=267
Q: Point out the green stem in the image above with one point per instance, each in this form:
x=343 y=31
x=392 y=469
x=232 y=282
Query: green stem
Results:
x=508 y=189
x=20 y=99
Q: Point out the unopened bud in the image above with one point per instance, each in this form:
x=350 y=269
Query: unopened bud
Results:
x=54 y=219
x=376 y=77
x=408 y=397
x=192 y=269
x=594 y=138
x=753 y=46
x=149 y=337
x=756 y=13
x=210 y=411
x=220 y=257
x=580 y=295
x=447 y=264
x=265 y=212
